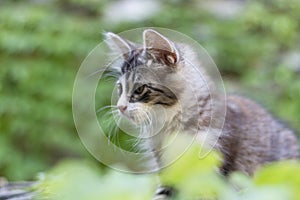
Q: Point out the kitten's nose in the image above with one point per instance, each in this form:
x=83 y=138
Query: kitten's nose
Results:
x=122 y=108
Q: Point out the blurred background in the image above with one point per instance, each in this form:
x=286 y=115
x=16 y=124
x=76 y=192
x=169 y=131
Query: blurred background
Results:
x=255 y=44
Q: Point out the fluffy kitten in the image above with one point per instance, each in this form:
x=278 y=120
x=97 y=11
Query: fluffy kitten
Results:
x=160 y=75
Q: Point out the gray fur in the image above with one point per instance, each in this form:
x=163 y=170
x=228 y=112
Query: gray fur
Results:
x=250 y=137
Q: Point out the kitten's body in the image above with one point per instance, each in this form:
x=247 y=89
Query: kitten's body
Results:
x=162 y=74
x=252 y=137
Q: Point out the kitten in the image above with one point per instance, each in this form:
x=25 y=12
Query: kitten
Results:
x=159 y=75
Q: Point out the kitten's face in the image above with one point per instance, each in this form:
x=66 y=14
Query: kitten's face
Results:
x=144 y=84
x=140 y=92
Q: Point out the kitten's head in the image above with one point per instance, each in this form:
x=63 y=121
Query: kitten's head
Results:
x=149 y=77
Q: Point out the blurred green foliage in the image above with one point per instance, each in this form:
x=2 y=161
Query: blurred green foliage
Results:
x=192 y=177
x=42 y=44
x=82 y=180
x=41 y=49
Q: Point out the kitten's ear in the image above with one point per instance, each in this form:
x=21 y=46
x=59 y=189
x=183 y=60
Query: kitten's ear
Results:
x=161 y=47
x=118 y=45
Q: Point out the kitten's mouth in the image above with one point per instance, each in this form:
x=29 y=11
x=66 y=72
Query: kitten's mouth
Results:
x=133 y=118
x=126 y=115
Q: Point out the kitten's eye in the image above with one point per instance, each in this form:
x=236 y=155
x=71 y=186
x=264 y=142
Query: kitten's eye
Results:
x=120 y=90
x=139 y=90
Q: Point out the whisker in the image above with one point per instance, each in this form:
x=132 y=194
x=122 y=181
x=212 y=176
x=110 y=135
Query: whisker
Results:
x=117 y=135
x=107 y=120
x=105 y=107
